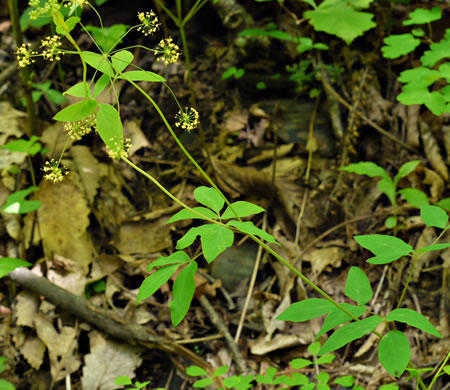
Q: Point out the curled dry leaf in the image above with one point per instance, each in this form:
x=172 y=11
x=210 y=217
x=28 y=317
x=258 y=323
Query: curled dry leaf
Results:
x=432 y=150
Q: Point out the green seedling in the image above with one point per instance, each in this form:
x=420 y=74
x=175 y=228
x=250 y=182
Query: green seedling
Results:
x=237 y=73
x=388 y=186
x=126 y=381
x=418 y=82
x=43 y=89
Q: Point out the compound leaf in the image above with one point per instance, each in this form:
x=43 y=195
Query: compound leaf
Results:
x=177 y=257
x=337 y=317
x=110 y=128
x=422 y=16
x=340 y=20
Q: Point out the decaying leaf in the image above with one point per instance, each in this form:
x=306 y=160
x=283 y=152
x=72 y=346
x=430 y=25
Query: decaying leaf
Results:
x=27 y=305
x=88 y=169
x=432 y=150
x=106 y=361
x=62 y=346
x=324 y=257
x=33 y=350
x=63 y=219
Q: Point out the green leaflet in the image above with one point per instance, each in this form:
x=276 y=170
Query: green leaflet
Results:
x=242 y=209
x=306 y=310
x=358 y=286
x=76 y=111
x=214 y=238
x=413 y=318
x=188 y=214
x=209 y=197
x=350 y=332
x=110 y=129
x=9 y=264
x=394 y=352
x=434 y=216
x=183 y=292
x=153 y=282
x=250 y=228
x=386 y=248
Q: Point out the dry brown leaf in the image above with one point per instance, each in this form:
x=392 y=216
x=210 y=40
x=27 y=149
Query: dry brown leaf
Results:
x=27 y=305
x=88 y=170
x=324 y=257
x=61 y=344
x=63 y=219
x=106 y=361
x=432 y=150
x=33 y=350
x=14 y=122
x=132 y=130
x=236 y=120
x=56 y=140
x=68 y=274
x=143 y=237
x=412 y=126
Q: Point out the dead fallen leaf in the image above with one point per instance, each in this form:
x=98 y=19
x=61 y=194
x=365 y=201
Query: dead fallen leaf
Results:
x=106 y=361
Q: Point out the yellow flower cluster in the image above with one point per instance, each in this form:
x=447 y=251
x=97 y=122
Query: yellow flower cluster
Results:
x=54 y=172
x=24 y=54
x=119 y=152
x=149 y=22
x=46 y=9
x=168 y=51
x=52 y=51
x=77 y=129
x=187 y=119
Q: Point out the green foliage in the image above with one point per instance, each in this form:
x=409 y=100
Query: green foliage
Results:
x=43 y=89
x=237 y=73
x=9 y=264
x=385 y=248
x=108 y=37
x=418 y=81
x=4 y=384
x=394 y=352
x=341 y=18
x=17 y=204
x=31 y=146
x=388 y=186
x=126 y=381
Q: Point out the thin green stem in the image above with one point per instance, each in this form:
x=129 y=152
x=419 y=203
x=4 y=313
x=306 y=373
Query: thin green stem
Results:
x=181 y=146
x=438 y=373
x=416 y=258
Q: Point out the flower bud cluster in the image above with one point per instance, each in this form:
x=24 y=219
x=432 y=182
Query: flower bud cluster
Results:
x=168 y=51
x=42 y=10
x=51 y=51
x=187 y=119
x=77 y=129
x=119 y=152
x=149 y=22
x=24 y=55
x=54 y=172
